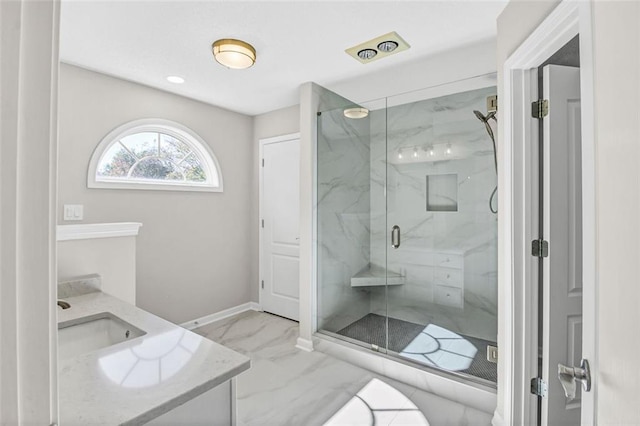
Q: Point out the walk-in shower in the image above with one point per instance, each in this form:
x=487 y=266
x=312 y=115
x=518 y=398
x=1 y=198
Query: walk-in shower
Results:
x=407 y=248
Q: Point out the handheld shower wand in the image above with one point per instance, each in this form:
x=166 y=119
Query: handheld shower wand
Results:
x=485 y=119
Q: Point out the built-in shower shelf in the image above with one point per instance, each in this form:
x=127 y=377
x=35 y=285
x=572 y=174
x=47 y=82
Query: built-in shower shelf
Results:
x=373 y=275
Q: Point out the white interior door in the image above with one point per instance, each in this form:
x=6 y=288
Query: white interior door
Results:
x=562 y=228
x=280 y=226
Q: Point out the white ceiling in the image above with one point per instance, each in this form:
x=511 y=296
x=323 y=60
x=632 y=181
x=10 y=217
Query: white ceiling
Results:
x=296 y=42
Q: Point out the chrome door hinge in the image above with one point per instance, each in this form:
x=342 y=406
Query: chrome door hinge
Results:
x=540 y=108
x=263 y=162
x=540 y=248
x=262 y=221
x=538 y=387
x=262 y=283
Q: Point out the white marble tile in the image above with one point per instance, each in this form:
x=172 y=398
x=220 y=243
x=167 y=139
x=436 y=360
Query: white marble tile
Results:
x=343 y=201
x=286 y=386
x=443 y=412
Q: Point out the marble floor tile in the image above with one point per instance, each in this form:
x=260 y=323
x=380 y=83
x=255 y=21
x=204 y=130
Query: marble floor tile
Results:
x=287 y=386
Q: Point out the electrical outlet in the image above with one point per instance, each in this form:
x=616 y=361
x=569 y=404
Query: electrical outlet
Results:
x=73 y=212
x=492 y=354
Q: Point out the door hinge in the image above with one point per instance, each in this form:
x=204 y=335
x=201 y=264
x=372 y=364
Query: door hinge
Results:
x=263 y=162
x=262 y=221
x=540 y=108
x=540 y=248
x=263 y=284
x=538 y=387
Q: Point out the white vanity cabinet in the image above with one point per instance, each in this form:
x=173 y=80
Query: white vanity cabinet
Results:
x=215 y=407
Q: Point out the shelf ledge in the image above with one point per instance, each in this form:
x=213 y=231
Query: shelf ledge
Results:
x=88 y=231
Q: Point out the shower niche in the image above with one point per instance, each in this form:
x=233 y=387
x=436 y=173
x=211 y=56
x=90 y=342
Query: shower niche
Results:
x=427 y=292
x=442 y=193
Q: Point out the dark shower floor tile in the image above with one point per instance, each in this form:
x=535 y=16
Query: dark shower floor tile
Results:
x=372 y=329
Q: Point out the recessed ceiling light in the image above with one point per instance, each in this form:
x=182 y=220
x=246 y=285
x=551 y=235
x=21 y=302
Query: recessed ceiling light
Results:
x=176 y=79
x=356 y=112
x=367 y=54
x=387 y=46
x=234 y=54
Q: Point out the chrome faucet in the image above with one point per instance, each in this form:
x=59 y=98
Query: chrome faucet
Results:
x=63 y=304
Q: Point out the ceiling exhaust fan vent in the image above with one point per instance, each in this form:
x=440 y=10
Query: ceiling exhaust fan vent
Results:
x=378 y=48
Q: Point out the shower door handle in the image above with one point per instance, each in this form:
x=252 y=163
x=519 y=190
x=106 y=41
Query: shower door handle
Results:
x=395 y=236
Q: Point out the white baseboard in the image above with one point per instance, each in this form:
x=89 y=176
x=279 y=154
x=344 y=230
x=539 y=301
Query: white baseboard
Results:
x=497 y=419
x=199 y=322
x=304 y=344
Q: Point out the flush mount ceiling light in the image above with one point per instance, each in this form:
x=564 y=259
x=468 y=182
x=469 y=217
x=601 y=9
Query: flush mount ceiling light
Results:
x=356 y=112
x=378 y=48
x=175 y=79
x=234 y=54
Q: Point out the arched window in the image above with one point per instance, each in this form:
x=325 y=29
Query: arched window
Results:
x=154 y=154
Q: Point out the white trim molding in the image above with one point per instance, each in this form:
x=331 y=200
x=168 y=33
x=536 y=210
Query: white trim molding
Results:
x=282 y=138
x=29 y=188
x=304 y=344
x=518 y=187
x=88 y=231
x=217 y=316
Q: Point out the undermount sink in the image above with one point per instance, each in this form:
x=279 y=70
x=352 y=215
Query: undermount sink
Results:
x=87 y=334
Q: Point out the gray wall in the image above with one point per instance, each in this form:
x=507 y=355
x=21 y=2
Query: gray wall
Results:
x=194 y=253
x=275 y=123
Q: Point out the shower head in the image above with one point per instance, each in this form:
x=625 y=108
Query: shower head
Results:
x=484 y=118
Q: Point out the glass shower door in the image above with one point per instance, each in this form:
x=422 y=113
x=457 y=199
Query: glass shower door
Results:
x=407 y=230
x=441 y=298
x=351 y=224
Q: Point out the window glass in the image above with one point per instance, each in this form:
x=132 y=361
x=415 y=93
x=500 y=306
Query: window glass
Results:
x=154 y=154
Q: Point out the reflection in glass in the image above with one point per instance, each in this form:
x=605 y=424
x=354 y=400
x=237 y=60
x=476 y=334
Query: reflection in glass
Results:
x=154 y=361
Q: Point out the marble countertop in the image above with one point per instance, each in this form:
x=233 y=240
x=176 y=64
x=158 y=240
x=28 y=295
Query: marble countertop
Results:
x=135 y=381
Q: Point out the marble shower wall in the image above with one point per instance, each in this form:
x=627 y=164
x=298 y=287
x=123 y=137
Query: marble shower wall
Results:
x=343 y=202
x=448 y=258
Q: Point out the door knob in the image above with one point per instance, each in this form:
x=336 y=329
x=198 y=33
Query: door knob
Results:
x=570 y=375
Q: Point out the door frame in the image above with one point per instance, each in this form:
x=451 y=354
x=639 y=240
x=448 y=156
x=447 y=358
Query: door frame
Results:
x=517 y=223
x=262 y=143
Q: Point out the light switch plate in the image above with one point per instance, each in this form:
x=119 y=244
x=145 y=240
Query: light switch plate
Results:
x=73 y=212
